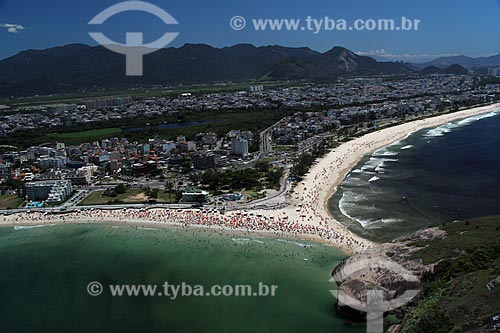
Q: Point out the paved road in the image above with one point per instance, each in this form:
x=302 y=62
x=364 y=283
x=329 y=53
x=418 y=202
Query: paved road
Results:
x=271 y=201
x=265 y=139
x=69 y=208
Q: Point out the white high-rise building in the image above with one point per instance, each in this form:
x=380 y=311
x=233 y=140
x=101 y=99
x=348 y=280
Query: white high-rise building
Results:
x=258 y=88
x=239 y=146
x=494 y=71
x=53 y=191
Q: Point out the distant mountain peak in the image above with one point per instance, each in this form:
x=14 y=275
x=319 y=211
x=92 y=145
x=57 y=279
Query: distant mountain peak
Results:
x=78 y=66
x=465 y=61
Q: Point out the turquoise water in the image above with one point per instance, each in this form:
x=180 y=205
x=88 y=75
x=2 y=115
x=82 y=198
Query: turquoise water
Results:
x=45 y=271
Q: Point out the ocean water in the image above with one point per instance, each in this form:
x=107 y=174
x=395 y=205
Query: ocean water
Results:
x=434 y=176
x=45 y=271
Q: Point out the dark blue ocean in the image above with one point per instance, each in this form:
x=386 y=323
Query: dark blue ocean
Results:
x=434 y=176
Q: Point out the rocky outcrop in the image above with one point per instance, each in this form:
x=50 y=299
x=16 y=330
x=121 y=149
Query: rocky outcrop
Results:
x=386 y=268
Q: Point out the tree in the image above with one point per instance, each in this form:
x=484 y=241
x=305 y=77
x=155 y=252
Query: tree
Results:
x=186 y=165
x=168 y=187
x=120 y=189
x=262 y=166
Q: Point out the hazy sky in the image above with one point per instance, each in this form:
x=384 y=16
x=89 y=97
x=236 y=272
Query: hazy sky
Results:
x=468 y=27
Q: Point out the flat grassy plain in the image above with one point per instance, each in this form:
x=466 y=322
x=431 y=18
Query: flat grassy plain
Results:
x=10 y=201
x=97 y=133
x=142 y=128
x=138 y=93
x=130 y=196
x=136 y=195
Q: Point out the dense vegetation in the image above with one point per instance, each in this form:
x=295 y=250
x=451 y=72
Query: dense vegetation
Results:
x=10 y=201
x=78 y=67
x=121 y=194
x=220 y=122
x=303 y=163
x=260 y=177
x=462 y=296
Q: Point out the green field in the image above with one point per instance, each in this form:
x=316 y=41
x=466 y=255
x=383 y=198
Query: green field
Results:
x=283 y=147
x=251 y=194
x=165 y=197
x=135 y=195
x=97 y=133
x=138 y=93
x=220 y=122
x=10 y=201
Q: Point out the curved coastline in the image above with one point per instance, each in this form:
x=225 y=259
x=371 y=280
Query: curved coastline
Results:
x=307 y=215
x=371 y=142
x=169 y=225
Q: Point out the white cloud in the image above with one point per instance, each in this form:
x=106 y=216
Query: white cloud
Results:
x=12 y=28
x=381 y=53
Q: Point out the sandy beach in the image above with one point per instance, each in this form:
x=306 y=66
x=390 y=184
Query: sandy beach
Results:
x=308 y=203
x=306 y=216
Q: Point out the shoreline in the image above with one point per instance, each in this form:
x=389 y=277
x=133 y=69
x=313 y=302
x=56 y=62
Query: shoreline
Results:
x=145 y=224
x=442 y=119
x=311 y=195
x=352 y=152
x=306 y=217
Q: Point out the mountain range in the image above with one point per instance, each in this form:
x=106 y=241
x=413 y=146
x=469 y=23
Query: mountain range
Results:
x=465 y=61
x=76 y=67
x=454 y=69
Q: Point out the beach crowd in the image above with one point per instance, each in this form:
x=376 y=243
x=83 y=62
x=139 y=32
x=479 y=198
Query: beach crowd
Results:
x=211 y=218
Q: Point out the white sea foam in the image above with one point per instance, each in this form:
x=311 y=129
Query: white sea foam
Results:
x=357 y=204
x=240 y=240
x=150 y=229
x=22 y=227
x=246 y=240
x=296 y=243
x=384 y=152
x=447 y=128
x=345 y=206
x=351 y=201
x=377 y=164
x=353 y=181
x=376 y=224
x=352 y=197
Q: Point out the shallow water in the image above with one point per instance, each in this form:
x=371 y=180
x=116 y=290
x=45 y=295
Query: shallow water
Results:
x=45 y=272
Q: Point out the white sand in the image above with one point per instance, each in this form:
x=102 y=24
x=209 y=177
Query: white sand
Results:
x=310 y=206
x=328 y=173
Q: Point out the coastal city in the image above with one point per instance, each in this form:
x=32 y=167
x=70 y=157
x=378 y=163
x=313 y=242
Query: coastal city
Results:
x=161 y=171
x=249 y=166
x=344 y=95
